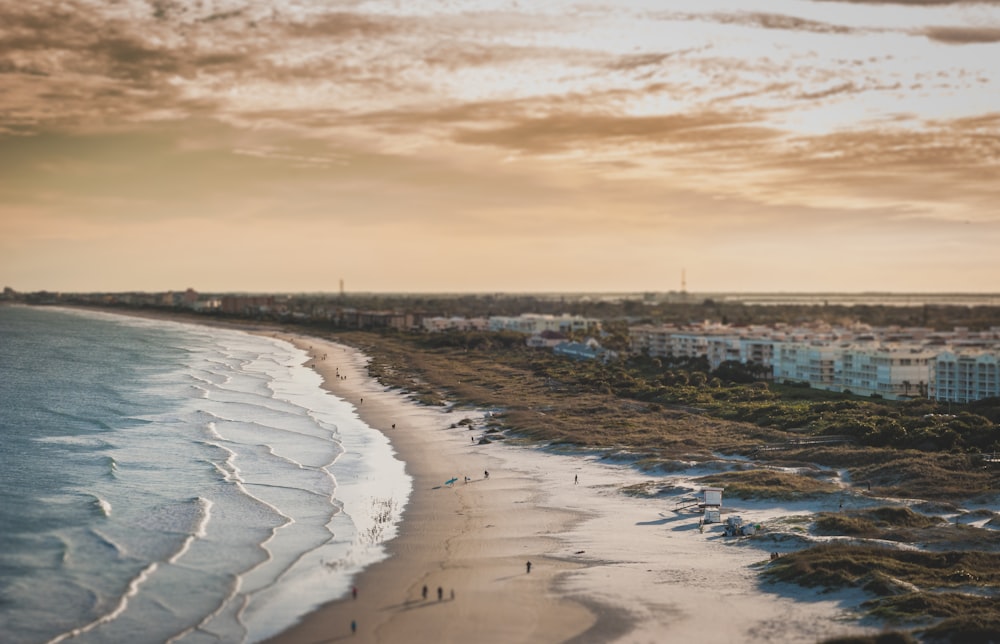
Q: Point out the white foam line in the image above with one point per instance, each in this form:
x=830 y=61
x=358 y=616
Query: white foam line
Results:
x=200 y=531
x=131 y=591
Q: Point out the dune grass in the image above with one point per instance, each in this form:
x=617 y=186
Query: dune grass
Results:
x=770 y=484
x=955 y=592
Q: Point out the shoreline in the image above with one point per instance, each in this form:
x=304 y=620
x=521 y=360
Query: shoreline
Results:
x=472 y=539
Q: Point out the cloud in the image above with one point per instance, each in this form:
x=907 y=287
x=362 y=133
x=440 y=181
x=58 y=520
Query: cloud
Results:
x=963 y=35
x=575 y=131
x=778 y=21
x=842 y=88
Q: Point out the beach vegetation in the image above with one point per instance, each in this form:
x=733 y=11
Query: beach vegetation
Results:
x=769 y=483
x=955 y=590
x=888 y=523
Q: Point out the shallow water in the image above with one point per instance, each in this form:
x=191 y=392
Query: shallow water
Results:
x=165 y=482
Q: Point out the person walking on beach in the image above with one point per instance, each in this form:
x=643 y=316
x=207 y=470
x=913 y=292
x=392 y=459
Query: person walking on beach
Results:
x=486 y=473
x=440 y=593
x=354 y=627
x=425 y=591
x=528 y=566
x=576 y=479
x=354 y=592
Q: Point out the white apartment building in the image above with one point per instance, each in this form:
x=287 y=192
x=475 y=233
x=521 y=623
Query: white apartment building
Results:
x=892 y=362
x=654 y=341
x=811 y=362
x=757 y=351
x=965 y=375
x=891 y=371
x=532 y=323
x=438 y=324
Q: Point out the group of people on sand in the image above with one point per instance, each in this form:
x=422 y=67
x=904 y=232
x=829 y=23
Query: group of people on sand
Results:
x=423 y=593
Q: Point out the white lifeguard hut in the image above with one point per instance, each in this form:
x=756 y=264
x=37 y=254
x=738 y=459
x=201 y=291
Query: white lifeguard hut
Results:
x=711 y=504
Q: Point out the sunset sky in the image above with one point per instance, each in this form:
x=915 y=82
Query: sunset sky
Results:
x=266 y=145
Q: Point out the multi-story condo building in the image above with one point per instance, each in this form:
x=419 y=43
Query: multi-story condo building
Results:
x=891 y=362
x=437 y=324
x=812 y=362
x=965 y=375
x=531 y=323
x=757 y=351
x=890 y=371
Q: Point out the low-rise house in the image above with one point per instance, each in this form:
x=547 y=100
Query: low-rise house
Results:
x=589 y=350
x=546 y=340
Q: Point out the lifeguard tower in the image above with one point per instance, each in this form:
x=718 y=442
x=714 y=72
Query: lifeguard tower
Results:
x=711 y=504
x=708 y=500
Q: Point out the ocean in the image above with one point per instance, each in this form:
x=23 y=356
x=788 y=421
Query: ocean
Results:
x=165 y=482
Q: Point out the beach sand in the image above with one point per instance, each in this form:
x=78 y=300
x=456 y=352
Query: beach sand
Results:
x=606 y=566
x=472 y=538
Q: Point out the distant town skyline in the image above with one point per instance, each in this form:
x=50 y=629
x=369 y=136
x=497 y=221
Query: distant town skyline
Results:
x=789 y=146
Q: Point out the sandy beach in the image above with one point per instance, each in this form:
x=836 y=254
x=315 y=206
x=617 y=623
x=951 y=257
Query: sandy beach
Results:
x=606 y=566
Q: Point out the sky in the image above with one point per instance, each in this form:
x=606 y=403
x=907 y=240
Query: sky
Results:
x=500 y=146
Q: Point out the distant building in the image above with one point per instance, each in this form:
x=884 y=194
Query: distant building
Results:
x=247 y=304
x=589 y=350
x=965 y=376
x=811 y=362
x=439 y=324
x=891 y=371
x=546 y=340
x=531 y=323
x=891 y=362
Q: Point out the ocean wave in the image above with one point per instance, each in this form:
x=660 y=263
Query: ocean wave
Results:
x=89 y=421
x=107 y=542
x=130 y=591
x=200 y=530
x=102 y=505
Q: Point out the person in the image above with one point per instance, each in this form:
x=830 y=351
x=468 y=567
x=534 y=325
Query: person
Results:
x=472 y=438
x=362 y=401
x=354 y=592
x=425 y=591
x=528 y=566
x=394 y=425
x=354 y=627
x=576 y=479
x=440 y=593
x=486 y=473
